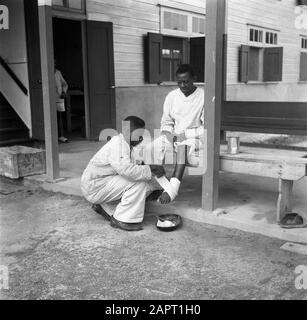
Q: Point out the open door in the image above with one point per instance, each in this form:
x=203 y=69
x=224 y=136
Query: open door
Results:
x=34 y=67
x=101 y=81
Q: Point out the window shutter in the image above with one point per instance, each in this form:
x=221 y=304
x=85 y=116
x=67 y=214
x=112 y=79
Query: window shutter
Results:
x=303 y=67
x=197 y=57
x=154 y=57
x=272 y=64
x=244 y=61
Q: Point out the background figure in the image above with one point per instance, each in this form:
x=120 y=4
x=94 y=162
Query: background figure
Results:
x=61 y=88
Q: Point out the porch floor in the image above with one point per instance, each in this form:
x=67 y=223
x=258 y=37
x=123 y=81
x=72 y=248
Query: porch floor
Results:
x=248 y=202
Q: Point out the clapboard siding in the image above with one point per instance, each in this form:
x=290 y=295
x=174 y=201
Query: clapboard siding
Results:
x=272 y=14
x=132 y=20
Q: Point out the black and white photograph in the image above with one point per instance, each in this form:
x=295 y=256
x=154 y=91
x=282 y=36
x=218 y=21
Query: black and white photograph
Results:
x=153 y=152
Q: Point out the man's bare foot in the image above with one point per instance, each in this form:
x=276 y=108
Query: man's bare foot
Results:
x=165 y=198
x=155 y=195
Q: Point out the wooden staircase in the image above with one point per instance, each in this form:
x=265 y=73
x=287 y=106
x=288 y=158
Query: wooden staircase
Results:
x=12 y=129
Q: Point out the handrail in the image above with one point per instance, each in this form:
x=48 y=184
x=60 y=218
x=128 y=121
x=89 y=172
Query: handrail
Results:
x=13 y=76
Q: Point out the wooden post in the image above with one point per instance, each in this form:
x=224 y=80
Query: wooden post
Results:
x=284 y=203
x=215 y=29
x=47 y=66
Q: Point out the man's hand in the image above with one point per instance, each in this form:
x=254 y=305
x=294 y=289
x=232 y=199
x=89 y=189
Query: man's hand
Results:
x=169 y=136
x=174 y=137
x=165 y=198
x=180 y=137
x=157 y=170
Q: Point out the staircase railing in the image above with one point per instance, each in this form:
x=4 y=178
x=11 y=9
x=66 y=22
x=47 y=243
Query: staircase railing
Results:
x=13 y=76
x=15 y=92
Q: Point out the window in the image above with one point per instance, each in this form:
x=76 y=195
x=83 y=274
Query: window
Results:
x=176 y=22
x=270 y=38
x=261 y=36
x=165 y=53
x=255 y=35
x=198 y=25
x=71 y=5
x=262 y=59
x=172 y=57
x=304 y=43
x=303 y=60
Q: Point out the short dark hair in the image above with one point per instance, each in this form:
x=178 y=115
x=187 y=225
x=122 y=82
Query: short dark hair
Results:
x=138 y=123
x=186 y=68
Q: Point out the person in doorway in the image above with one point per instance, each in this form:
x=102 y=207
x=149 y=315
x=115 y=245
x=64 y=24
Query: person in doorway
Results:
x=113 y=175
x=182 y=130
x=61 y=88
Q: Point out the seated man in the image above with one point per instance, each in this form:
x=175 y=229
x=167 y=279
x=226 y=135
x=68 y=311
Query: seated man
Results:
x=112 y=176
x=182 y=129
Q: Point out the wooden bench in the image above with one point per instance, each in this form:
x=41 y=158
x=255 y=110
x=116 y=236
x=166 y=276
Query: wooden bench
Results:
x=286 y=165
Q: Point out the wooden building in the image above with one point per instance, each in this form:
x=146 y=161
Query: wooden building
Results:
x=119 y=58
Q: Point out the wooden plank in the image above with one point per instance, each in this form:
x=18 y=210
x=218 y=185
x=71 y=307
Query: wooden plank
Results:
x=215 y=26
x=264 y=169
x=284 y=202
x=50 y=116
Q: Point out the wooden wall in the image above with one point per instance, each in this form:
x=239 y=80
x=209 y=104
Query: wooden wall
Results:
x=274 y=14
x=132 y=20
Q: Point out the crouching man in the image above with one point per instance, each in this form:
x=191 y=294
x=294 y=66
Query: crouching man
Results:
x=112 y=176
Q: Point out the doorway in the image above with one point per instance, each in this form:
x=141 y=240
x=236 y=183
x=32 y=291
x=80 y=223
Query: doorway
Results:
x=68 y=54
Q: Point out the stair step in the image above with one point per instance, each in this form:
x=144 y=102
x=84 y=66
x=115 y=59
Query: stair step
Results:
x=13 y=136
x=7 y=112
x=11 y=129
x=13 y=142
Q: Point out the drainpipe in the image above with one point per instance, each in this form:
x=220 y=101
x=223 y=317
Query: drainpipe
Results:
x=48 y=84
x=215 y=29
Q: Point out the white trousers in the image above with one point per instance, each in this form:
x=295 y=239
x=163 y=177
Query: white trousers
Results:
x=122 y=198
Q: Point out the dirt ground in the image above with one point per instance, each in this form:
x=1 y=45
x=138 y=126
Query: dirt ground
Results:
x=56 y=247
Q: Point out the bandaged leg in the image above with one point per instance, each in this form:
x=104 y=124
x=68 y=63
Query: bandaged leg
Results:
x=171 y=187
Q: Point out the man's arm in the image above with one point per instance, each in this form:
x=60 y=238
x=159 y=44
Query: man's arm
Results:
x=167 y=122
x=63 y=84
x=120 y=161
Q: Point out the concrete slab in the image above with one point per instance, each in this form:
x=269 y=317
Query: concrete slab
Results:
x=249 y=202
x=294 y=247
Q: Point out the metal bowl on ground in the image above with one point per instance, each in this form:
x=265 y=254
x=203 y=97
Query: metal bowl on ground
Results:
x=168 y=222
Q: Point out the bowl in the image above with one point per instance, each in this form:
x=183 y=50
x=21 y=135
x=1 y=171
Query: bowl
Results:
x=168 y=222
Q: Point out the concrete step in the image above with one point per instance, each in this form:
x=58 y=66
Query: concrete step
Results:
x=9 y=121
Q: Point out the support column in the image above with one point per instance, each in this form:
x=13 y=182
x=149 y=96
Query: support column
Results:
x=48 y=84
x=215 y=29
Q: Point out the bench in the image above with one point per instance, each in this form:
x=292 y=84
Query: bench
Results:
x=285 y=165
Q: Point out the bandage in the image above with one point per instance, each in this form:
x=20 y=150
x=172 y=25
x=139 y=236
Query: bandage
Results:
x=171 y=187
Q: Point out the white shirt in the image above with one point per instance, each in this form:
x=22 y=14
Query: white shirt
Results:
x=60 y=84
x=183 y=114
x=114 y=158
